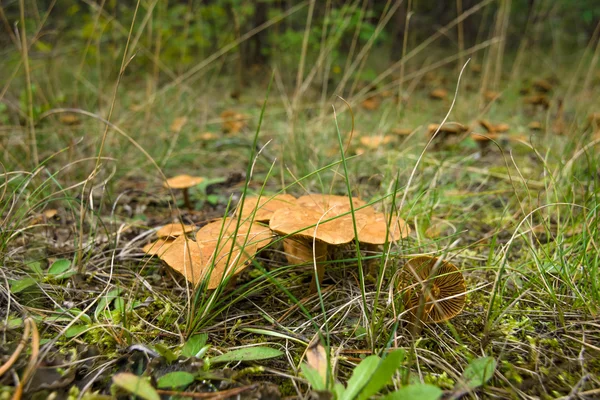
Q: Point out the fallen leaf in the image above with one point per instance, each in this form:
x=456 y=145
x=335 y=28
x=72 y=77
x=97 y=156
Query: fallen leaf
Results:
x=316 y=358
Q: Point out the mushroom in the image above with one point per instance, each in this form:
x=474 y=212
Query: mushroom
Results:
x=434 y=290
x=438 y=94
x=305 y=224
x=212 y=256
x=326 y=201
x=373 y=142
x=375 y=232
x=166 y=236
x=446 y=131
x=260 y=209
x=174 y=230
x=158 y=247
x=184 y=182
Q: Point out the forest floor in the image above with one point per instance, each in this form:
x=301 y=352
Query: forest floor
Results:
x=517 y=215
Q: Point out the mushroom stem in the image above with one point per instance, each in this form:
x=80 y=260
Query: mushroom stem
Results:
x=186 y=199
x=320 y=256
x=373 y=263
x=301 y=251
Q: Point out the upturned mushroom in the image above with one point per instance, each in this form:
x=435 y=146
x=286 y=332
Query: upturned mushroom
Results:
x=308 y=223
x=216 y=254
x=184 y=182
x=434 y=290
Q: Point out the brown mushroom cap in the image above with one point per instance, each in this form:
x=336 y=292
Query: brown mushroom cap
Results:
x=444 y=291
x=402 y=131
x=158 y=247
x=373 y=142
x=298 y=220
x=183 y=181
x=174 y=230
x=374 y=231
x=452 y=128
x=487 y=125
x=333 y=204
x=478 y=137
x=195 y=259
x=438 y=94
x=265 y=206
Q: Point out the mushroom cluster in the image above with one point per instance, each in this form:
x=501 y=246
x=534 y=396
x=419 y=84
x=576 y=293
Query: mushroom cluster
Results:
x=311 y=224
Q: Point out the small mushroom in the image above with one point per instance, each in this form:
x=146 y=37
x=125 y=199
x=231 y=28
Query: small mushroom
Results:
x=210 y=252
x=535 y=126
x=402 y=131
x=434 y=290
x=373 y=142
x=184 y=182
x=542 y=85
x=438 y=94
x=537 y=100
x=483 y=141
x=305 y=223
x=371 y=103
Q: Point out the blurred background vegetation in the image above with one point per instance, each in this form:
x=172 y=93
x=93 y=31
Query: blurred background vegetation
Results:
x=171 y=37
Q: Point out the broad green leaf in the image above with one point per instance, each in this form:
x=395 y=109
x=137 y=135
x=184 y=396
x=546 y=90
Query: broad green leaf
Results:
x=36 y=268
x=212 y=199
x=421 y=391
x=135 y=385
x=194 y=345
x=21 y=284
x=247 y=354
x=59 y=266
x=383 y=374
x=360 y=377
x=165 y=352
x=339 y=390
x=479 y=371
x=313 y=377
x=175 y=379
x=105 y=300
x=75 y=330
x=119 y=304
